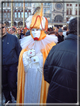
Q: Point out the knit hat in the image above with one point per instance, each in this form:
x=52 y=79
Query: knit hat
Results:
x=60 y=30
x=73 y=26
x=69 y=20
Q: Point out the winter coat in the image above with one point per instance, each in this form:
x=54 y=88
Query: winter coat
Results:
x=10 y=49
x=60 y=70
x=60 y=38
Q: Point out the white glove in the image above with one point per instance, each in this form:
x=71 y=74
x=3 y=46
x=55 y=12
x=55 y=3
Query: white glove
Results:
x=35 y=59
x=31 y=53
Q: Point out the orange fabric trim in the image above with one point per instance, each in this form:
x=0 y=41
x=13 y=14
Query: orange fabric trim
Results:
x=21 y=79
x=45 y=85
x=46 y=25
x=37 y=20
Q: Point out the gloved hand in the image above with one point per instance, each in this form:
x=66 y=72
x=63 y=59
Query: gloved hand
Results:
x=31 y=53
x=35 y=59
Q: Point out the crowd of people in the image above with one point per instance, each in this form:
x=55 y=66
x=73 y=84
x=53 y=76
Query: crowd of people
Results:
x=19 y=32
x=57 y=30
x=39 y=64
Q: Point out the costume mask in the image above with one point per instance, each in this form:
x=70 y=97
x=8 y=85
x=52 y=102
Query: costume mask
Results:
x=36 y=33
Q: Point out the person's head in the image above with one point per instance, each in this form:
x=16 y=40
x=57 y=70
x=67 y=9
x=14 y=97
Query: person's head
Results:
x=56 y=28
x=21 y=28
x=60 y=32
x=36 y=33
x=65 y=28
x=37 y=24
x=18 y=31
x=51 y=33
x=3 y=30
x=56 y=33
x=13 y=30
x=70 y=20
x=51 y=29
x=22 y=31
x=73 y=26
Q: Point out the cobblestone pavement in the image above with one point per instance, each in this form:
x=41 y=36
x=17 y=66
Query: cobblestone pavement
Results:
x=3 y=101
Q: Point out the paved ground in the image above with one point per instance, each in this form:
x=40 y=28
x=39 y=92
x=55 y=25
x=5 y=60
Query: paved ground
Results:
x=3 y=101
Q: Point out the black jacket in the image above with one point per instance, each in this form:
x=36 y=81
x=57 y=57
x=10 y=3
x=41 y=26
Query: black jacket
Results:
x=60 y=38
x=60 y=70
x=10 y=49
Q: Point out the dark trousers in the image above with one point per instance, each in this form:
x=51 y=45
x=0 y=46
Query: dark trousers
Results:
x=9 y=81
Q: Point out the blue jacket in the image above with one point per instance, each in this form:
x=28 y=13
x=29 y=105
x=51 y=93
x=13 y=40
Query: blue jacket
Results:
x=10 y=49
x=60 y=70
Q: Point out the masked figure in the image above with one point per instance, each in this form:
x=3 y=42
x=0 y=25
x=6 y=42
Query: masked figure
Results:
x=31 y=85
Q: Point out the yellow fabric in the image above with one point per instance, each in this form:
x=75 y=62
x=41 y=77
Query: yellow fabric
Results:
x=21 y=77
x=45 y=85
x=37 y=20
x=46 y=25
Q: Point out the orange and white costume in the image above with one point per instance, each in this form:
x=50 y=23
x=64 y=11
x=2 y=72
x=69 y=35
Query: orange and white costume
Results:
x=31 y=85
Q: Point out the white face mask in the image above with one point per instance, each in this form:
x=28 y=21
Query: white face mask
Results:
x=36 y=33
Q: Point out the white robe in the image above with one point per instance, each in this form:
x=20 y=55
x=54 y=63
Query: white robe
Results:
x=33 y=77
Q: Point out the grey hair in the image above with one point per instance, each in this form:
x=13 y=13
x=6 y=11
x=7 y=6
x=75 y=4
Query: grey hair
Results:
x=13 y=29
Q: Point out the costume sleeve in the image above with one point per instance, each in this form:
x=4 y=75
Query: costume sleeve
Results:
x=26 y=61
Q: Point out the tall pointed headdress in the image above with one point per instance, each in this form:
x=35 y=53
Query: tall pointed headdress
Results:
x=37 y=20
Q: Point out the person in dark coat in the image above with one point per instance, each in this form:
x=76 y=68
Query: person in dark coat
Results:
x=60 y=35
x=27 y=33
x=60 y=69
x=10 y=54
x=22 y=34
x=56 y=28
